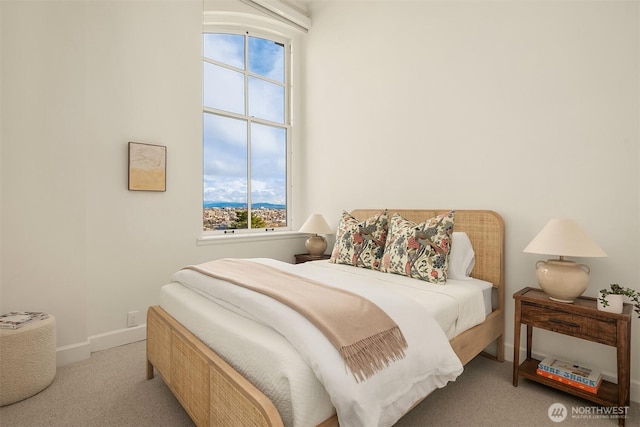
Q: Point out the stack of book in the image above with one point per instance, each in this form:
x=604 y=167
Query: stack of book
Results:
x=17 y=319
x=568 y=373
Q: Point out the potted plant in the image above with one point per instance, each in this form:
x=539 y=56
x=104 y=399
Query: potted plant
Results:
x=611 y=299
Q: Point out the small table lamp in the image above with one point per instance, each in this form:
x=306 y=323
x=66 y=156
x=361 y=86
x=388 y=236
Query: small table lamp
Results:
x=563 y=280
x=316 y=224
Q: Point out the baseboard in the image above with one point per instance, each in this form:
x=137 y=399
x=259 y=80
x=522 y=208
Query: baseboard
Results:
x=118 y=338
x=82 y=351
x=635 y=385
x=68 y=354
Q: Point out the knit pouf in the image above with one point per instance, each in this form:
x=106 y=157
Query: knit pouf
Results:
x=27 y=360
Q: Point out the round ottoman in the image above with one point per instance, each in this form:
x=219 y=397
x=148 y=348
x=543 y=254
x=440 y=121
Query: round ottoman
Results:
x=27 y=360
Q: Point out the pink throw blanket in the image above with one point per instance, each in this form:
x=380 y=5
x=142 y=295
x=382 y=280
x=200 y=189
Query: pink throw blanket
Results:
x=364 y=335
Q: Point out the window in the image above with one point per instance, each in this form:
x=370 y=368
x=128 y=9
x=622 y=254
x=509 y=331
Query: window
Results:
x=245 y=133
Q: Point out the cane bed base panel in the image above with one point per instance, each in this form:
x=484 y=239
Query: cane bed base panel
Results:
x=214 y=394
x=209 y=389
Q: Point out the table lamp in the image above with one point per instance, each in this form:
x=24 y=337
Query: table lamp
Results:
x=316 y=224
x=563 y=280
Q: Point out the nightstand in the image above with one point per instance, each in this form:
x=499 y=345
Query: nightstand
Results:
x=300 y=258
x=580 y=319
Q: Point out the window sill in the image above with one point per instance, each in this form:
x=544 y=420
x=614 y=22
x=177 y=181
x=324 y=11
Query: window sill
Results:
x=219 y=239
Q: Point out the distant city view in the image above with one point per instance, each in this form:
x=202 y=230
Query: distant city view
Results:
x=227 y=216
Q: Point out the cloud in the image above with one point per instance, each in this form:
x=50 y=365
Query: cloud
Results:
x=222 y=88
x=266 y=100
x=266 y=58
x=235 y=190
x=226 y=190
x=226 y=48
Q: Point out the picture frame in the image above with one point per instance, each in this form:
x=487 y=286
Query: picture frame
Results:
x=147 y=167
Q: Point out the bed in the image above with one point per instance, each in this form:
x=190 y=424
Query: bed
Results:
x=214 y=393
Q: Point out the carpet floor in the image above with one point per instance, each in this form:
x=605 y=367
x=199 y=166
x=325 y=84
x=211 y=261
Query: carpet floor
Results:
x=111 y=389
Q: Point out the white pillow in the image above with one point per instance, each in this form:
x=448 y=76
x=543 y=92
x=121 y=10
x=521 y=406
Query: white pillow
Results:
x=462 y=258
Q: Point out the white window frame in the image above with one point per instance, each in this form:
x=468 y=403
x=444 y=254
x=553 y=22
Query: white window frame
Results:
x=241 y=23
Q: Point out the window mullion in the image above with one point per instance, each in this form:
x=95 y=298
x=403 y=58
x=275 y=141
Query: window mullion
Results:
x=266 y=79
x=221 y=64
x=249 y=210
x=246 y=112
x=223 y=113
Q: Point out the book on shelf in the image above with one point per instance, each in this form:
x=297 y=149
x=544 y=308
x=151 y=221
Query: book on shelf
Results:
x=571 y=374
x=564 y=380
x=17 y=319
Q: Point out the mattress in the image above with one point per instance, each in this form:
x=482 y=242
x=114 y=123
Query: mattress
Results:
x=271 y=363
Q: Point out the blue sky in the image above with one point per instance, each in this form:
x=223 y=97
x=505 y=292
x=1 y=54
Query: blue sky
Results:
x=225 y=139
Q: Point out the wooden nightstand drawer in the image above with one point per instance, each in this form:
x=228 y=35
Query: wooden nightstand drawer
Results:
x=585 y=327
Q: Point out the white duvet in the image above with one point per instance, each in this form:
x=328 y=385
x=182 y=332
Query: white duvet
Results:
x=382 y=399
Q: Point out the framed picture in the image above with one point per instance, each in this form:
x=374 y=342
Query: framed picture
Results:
x=147 y=167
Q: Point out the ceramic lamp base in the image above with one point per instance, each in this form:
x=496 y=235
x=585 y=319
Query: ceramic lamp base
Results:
x=562 y=281
x=316 y=245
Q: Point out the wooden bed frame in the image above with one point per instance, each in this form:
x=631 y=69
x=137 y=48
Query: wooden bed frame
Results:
x=214 y=394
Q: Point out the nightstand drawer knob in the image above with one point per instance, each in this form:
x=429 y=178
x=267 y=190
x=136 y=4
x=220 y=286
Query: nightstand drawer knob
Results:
x=565 y=323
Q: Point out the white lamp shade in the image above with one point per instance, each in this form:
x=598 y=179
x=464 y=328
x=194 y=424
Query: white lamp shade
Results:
x=564 y=237
x=316 y=224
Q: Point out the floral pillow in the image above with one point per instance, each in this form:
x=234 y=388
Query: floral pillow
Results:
x=421 y=250
x=360 y=244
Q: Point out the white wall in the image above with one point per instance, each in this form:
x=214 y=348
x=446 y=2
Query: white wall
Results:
x=475 y=96
x=530 y=109
x=44 y=254
x=79 y=81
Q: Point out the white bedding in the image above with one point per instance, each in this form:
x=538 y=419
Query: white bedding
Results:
x=263 y=356
x=295 y=377
x=457 y=306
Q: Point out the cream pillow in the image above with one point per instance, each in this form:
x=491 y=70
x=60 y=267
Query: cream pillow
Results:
x=462 y=257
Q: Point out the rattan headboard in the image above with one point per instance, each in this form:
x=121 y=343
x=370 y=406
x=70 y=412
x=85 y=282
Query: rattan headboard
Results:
x=484 y=228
